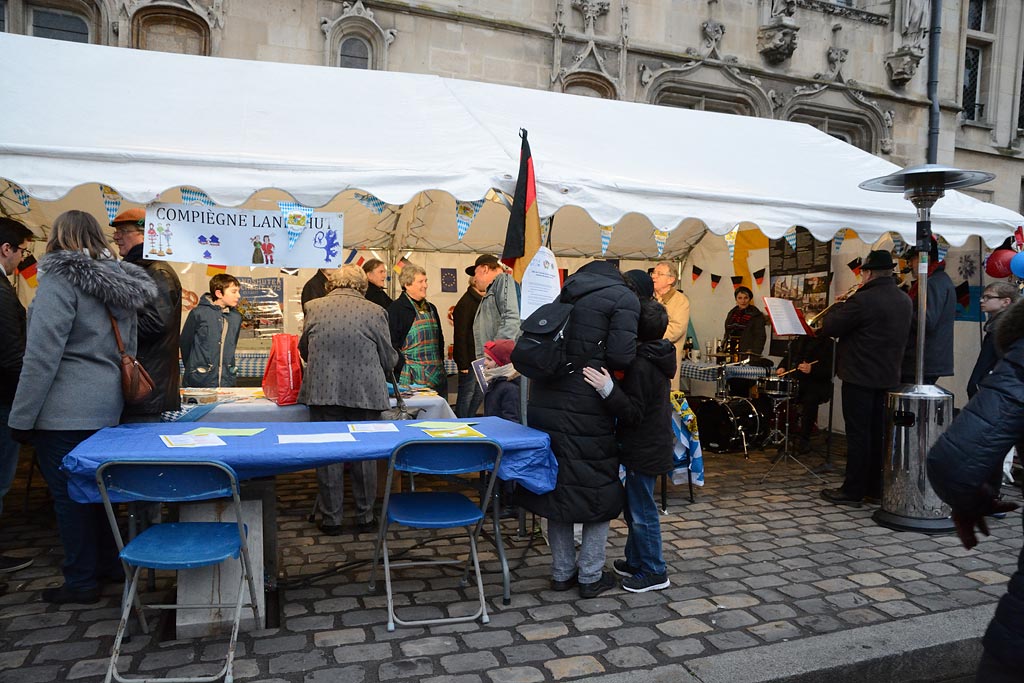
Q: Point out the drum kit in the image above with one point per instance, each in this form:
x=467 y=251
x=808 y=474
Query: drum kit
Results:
x=729 y=424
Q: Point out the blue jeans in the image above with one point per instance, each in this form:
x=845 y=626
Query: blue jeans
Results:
x=470 y=397
x=89 y=548
x=8 y=454
x=643 y=545
x=563 y=551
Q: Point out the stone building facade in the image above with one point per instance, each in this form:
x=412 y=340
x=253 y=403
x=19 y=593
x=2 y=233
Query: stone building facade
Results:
x=854 y=68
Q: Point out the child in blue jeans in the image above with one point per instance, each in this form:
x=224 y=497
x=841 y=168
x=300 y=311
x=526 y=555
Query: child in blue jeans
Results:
x=643 y=426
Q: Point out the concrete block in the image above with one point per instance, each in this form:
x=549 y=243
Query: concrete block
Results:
x=219 y=583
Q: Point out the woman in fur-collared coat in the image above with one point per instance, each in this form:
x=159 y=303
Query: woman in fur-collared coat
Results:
x=70 y=383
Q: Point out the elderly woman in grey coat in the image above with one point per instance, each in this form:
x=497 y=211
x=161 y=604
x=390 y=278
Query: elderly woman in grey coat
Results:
x=347 y=348
x=70 y=383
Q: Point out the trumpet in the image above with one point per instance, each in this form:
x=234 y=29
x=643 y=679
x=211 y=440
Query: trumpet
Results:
x=816 y=318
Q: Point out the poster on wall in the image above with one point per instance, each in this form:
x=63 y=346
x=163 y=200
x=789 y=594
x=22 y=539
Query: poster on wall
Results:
x=241 y=237
x=800 y=273
x=261 y=306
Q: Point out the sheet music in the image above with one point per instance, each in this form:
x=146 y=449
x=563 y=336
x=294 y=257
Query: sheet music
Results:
x=786 y=320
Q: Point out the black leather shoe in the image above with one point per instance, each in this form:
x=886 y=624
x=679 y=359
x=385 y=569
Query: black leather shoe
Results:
x=840 y=497
x=561 y=586
x=62 y=595
x=331 y=529
x=367 y=527
x=592 y=590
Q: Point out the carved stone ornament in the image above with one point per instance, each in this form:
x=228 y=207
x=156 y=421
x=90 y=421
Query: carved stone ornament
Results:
x=776 y=40
x=902 y=64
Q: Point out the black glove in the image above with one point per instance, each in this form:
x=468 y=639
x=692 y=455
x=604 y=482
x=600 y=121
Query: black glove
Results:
x=22 y=436
x=966 y=521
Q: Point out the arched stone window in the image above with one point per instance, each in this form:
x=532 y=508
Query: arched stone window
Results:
x=589 y=84
x=169 y=29
x=78 y=21
x=355 y=53
x=717 y=90
x=355 y=39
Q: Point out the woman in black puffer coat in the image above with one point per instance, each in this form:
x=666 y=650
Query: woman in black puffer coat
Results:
x=601 y=332
x=960 y=464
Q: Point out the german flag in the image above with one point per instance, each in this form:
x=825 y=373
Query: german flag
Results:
x=27 y=270
x=737 y=281
x=522 y=239
x=212 y=270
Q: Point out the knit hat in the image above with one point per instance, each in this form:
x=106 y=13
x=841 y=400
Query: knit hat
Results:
x=642 y=282
x=500 y=351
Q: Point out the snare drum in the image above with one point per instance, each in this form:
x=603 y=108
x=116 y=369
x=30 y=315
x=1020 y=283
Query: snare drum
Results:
x=777 y=387
x=724 y=424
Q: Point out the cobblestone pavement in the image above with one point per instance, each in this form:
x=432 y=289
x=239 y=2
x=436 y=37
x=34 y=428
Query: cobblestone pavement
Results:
x=752 y=564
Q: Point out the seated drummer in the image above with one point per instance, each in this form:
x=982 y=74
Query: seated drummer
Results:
x=811 y=357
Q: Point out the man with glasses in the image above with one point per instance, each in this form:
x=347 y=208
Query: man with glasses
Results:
x=15 y=239
x=996 y=298
x=159 y=321
x=678 y=307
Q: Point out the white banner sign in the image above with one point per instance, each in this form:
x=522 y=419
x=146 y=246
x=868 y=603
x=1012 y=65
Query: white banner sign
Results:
x=541 y=283
x=193 y=233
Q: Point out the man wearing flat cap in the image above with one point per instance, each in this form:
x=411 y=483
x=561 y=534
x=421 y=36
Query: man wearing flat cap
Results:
x=159 y=321
x=497 y=316
x=872 y=327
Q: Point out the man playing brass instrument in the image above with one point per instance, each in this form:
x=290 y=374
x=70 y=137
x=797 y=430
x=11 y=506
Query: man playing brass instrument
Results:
x=872 y=329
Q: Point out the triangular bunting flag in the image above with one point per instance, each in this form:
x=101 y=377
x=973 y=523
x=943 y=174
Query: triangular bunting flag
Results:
x=606 y=237
x=192 y=195
x=371 y=202
x=465 y=212
x=759 y=276
x=660 y=237
x=20 y=194
x=790 y=236
x=855 y=264
x=943 y=247
x=715 y=279
x=695 y=273
x=838 y=240
x=730 y=240
x=401 y=263
x=545 y=229
x=111 y=201
x=898 y=245
x=737 y=281
x=296 y=218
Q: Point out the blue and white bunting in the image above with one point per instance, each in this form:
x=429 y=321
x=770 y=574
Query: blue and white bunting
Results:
x=790 y=236
x=111 y=201
x=296 y=218
x=660 y=237
x=190 y=195
x=545 y=228
x=20 y=194
x=371 y=202
x=606 y=237
x=838 y=239
x=465 y=212
x=730 y=240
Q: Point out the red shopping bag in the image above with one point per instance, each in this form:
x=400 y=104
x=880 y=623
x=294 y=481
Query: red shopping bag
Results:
x=283 y=376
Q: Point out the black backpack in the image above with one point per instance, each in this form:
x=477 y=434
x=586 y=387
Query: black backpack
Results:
x=539 y=352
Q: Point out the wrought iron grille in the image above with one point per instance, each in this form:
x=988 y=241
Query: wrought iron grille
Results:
x=972 y=84
x=976 y=15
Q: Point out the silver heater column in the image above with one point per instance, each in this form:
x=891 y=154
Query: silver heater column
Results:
x=918 y=413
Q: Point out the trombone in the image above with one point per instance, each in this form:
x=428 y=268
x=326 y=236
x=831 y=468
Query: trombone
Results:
x=816 y=318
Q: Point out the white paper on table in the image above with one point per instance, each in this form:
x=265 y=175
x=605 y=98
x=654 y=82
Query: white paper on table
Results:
x=373 y=427
x=331 y=437
x=191 y=440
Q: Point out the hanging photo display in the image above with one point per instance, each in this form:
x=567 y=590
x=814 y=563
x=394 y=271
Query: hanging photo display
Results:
x=799 y=274
x=240 y=237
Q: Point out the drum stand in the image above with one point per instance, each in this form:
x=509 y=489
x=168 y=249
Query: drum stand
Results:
x=774 y=439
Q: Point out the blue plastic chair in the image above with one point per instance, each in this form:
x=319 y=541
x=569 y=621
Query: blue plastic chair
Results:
x=179 y=545
x=436 y=509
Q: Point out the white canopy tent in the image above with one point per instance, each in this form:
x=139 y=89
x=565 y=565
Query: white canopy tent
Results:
x=252 y=133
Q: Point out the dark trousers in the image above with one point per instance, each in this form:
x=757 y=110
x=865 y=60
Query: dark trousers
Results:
x=470 y=397
x=331 y=478
x=90 y=552
x=864 y=414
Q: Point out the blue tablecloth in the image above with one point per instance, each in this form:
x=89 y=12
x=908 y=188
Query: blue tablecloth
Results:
x=708 y=372
x=526 y=453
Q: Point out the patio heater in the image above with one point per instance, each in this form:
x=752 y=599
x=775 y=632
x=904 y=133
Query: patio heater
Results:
x=917 y=414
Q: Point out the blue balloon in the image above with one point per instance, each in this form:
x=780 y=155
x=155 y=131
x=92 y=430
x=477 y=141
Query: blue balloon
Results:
x=1017 y=265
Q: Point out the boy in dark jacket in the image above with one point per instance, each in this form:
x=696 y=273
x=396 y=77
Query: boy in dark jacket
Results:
x=210 y=335
x=644 y=435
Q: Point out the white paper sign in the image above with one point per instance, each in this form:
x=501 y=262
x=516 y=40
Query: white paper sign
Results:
x=191 y=441
x=370 y=427
x=315 y=438
x=193 y=233
x=541 y=284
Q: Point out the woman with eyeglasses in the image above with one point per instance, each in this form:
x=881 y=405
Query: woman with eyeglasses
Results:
x=996 y=298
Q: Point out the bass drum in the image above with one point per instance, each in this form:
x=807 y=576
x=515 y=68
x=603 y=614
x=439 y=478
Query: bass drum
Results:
x=724 y=425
